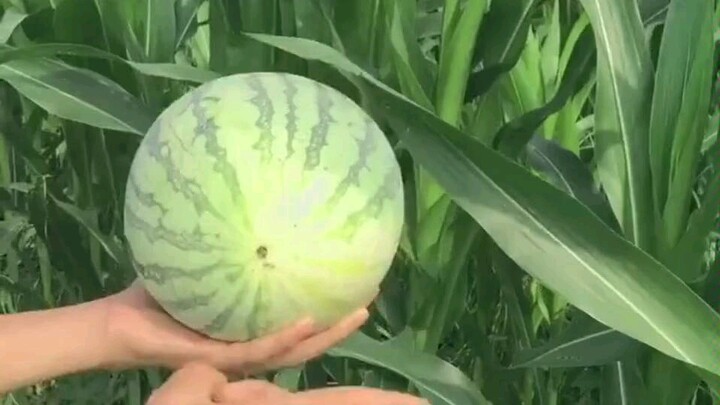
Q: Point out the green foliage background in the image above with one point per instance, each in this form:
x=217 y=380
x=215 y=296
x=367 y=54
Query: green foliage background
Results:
x=561 y=160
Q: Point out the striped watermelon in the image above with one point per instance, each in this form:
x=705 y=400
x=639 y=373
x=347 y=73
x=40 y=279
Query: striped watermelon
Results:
x=259 y=198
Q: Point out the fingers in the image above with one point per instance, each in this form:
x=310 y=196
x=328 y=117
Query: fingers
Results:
x=320 y=343
x=250 y=392
x=194 y=384
x=286 y=348
x=253 y=354
x=259 y=392
x=266 y=347
x=355 y=396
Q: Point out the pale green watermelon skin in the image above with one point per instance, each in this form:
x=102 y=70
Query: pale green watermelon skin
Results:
x=260 y=198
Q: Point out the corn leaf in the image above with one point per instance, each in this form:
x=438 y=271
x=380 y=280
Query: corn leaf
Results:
x=77 y=94
x=680 y=112
x=593 y=267
x=624 y=78
x=437 y=380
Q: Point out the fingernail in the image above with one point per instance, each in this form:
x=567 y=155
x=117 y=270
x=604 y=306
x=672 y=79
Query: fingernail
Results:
x=361 y=315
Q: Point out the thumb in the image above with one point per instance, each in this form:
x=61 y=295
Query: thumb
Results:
x=194 y=384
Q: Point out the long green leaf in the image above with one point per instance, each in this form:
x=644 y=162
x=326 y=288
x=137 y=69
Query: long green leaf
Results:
x=10 y=20
x=586 y=262
x=567 y=172
x=500 y=43
x=669 y=381
x=653 y=11
x=159 y=30
x=166 y=70
x=313 y=50
x=110 y=245
x=711 y=135
x=624 y=74
x=455 y=61
x=686 y=258
x=680 y=111
x=622 y=384
x=436 y=379
x=186 y=17
x=584 y=343
x=518 y=307
x=412 y=71
x=77 y=94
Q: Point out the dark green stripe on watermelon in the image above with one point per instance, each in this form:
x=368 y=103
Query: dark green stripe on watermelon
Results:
x=196 y=241
x=372 y=209
x=219 y=323
x=366 y=146
x=162 y=274
x=264 y=104
x=291 y=117
x=207 y=129
x=162 y=153
x=319 y=132
x=144 y=198
x=188 y=303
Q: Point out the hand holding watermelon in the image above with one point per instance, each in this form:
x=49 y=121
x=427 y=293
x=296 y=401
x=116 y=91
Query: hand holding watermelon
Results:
x=142 y=334
x=129 y=330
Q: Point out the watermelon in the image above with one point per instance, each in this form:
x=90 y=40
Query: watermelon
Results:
x=257 y=199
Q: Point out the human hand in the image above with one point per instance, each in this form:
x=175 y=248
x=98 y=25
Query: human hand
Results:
x=143 y=334
x=200 y=384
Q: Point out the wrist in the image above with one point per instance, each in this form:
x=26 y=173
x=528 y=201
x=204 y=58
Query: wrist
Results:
x=109 y=352
x=83 y=336
x=96 y=348
x=122 y=349
x=137 y=335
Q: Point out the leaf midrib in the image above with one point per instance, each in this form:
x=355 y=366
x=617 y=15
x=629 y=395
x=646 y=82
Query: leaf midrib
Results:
x=568 y=344
x=556 y=169
x=621 y=382
x=68 y=95
x=628 y=161
x=148 y=24
x=516 y=30
x=418 y=381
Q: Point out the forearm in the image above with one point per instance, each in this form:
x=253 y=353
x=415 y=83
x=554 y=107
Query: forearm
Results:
x=40 y=345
